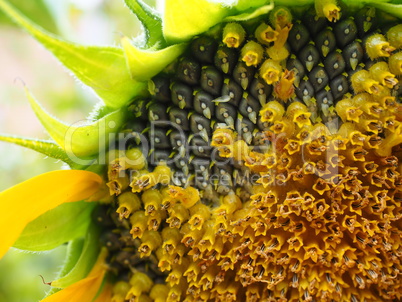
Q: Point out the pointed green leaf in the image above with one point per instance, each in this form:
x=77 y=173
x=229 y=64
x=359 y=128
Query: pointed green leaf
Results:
x=45 y=147
x=79 y=141
x=184 y=19
x=101 y=68
x=150 y=19
x=55 y=227
x=38 y=10
x=144 y=64
x=85 y=262
x=74 y=250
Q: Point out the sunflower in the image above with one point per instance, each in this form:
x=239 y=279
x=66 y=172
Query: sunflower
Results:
x=244 y=151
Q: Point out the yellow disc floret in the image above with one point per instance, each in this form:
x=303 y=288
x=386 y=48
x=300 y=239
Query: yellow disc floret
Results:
x=367 y=104
x=328 y=9
x=280 y=17
x=348 y=112
x=233 y=35
x=252 y=53
x=377 y=46
x=151 y=240
x=151 y=199
x=395 y=64
x=272 y=111
x=299 y=114
x=270 y=71
x=392 y=140
x=119 y=291
x=128 y=203
x=362 y=82
x=159 y=293
x=188 y=196
x=140 y=283
x=380 y=72
x=284 y=88
x=394 y=36
x=265 y=34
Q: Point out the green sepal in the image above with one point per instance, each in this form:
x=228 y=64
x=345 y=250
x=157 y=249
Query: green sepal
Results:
x=394 y=9
x=150 y=19
x=101 y=68
x=295 y=2
x=99 y=110
x=254 y=13
x=244 y=5
x=184 y=19
x=55 y=227
x=79 y=141
x=46 y=147
x=73 y=253
x=84 y=263
x=144 y=64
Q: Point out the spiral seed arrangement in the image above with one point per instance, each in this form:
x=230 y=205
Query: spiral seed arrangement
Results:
x=265 y=166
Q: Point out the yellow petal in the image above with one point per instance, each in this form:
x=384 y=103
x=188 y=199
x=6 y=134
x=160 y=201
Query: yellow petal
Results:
x=28 y=200
x=106 y=294
x=86 y=289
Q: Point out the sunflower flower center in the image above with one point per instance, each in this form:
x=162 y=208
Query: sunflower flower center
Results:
x=269 y=167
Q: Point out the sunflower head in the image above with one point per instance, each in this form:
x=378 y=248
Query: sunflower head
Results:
x=257 y=154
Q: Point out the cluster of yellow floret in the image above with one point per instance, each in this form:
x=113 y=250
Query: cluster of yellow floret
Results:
x=271 y=43
x=323 y=222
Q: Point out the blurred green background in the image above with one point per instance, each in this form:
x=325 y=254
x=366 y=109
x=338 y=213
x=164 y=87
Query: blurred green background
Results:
x=23 y=60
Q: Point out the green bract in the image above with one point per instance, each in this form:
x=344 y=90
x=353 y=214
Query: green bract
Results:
x=62 y=224
x=79 y=267
x=79 y=140
x=144 y=64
